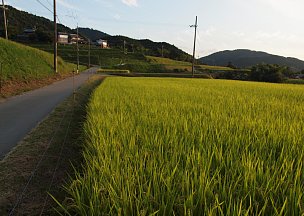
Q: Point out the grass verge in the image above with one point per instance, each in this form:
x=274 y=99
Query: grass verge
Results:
x=25 y=68
x=48 y=137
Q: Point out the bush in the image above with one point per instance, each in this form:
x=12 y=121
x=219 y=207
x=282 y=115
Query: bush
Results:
x=268 y=73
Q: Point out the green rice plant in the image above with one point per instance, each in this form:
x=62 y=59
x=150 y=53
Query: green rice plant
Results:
x=156 y=146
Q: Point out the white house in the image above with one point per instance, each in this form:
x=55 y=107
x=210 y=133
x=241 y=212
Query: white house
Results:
x=102 y=43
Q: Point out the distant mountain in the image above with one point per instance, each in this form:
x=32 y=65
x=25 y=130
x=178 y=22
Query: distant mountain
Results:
x=92 y=33
x=243 y=58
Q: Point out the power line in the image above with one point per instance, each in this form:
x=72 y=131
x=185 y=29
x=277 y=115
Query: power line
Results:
x=43 y=5
x=49 y=3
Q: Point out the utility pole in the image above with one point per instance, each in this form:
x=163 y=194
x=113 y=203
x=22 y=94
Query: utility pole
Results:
x=89 y=53
x=5 y=20
x=125 y=47
x=55 y=38
x=193 y=57
x=162 y=50
x=0 y=78
x=77 y=47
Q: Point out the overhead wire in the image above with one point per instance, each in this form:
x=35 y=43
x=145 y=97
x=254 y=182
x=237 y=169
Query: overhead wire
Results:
x=49 y=3
x=43 y=5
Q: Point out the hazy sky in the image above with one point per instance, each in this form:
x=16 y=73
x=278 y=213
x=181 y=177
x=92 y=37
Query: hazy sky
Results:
x=275 y=26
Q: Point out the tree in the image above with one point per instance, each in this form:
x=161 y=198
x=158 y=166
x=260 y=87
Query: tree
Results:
x=230 y=65
x=268 y=73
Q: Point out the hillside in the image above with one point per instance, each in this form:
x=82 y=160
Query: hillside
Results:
x=92 y=33
x=26 y=68
x=243 y=58
x=144 y=46
x=20 y=20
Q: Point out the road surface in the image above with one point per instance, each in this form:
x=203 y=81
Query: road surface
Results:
x=20 y=114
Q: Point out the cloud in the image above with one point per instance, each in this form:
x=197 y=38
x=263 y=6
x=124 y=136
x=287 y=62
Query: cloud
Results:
x=117 y=16
x=131 y=3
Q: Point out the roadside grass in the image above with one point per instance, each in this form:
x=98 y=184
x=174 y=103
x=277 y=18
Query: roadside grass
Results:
x=25 y=68
x=22 y=62
x=16 y=167
x=113 y=71
x=191 y=147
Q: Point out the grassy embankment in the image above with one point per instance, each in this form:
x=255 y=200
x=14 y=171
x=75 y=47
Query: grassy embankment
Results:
x=25 y=68
x=191 y=147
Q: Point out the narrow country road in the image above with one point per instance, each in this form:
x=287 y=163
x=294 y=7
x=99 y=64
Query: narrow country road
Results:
x=20 y=114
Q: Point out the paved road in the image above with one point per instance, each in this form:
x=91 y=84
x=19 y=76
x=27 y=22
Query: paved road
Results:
x=20 y=114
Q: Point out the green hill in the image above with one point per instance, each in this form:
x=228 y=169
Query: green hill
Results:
x=148 y=47
x=243 y=58
x=143 y=46
x=92 y=33
x=20 y=20
x=23 y=63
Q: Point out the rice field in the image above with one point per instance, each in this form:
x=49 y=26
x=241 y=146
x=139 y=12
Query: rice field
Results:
x=158 y=146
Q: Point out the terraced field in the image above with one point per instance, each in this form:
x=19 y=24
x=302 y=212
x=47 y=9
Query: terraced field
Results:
x=191 y=147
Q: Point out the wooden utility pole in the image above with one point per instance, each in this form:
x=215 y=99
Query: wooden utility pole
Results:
x=0 y=78
x=5 y=20
x=89 y=53
x=193 y=60
x=162 y=50
x=77 y=47
x=55 y=38
x=125 y=47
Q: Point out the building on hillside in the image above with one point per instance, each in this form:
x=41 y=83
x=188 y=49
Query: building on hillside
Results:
x=74 y=37
x=29 y=34
x=63 y=38
x=102 y=43
x=29 y=31
x=298 y=76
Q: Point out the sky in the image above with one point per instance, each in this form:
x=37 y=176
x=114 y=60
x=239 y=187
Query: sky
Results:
x=274 y=26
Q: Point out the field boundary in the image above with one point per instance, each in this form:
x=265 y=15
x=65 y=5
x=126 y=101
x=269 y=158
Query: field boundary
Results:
x=36 y=166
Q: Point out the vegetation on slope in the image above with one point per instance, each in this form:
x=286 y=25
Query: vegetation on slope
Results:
x=92 y=34
x=20 y=20
x=180 y=66
x=191 y=147
x=23 y=63
x=145 y=47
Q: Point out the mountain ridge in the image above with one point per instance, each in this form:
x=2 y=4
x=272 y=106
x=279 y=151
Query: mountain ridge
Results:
x=20 y=20
x=245 y=58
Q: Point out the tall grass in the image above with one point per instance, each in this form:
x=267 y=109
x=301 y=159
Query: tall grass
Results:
x=191 y=147
x=21 y=63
